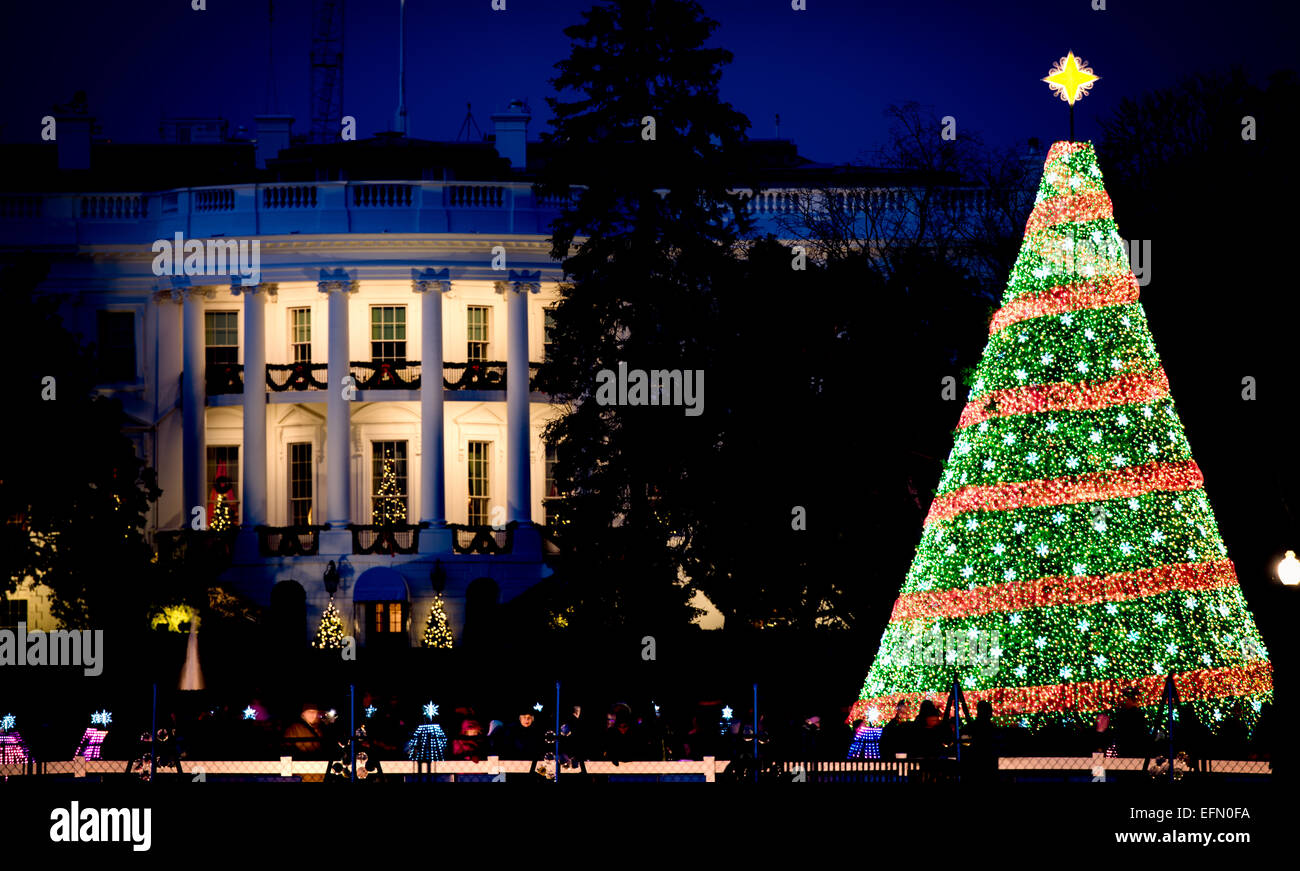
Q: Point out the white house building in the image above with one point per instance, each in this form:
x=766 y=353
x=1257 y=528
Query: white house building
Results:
x=363 y=396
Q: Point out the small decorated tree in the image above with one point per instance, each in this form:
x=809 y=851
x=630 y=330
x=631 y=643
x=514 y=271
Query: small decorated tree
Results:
x=330 y=634
x=437 y=631
x=390 y=502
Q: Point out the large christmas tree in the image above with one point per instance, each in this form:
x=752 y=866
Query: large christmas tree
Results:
x=1070 y=554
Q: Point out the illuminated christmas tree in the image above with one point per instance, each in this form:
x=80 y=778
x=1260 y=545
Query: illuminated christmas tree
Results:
x=330 y=634
x=221 y=519
x=437 y=631
x=1070 y=553
x=390 y=502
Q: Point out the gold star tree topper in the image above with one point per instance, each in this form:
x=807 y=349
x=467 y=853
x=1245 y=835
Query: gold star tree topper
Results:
x=1069 y=79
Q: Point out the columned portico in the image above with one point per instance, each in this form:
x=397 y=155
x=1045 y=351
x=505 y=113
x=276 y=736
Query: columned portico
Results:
x=255 y=297
x=518 y=441
x=432 y=285
x=338 y=420
x=193 y=401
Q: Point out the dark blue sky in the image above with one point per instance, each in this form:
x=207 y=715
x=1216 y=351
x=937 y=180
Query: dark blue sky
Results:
x=829 y=71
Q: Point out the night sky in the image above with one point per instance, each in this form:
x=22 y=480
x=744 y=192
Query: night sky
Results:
x=829 y=71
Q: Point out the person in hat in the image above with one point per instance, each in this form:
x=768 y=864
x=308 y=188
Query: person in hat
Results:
x=523 y=739
x=1131 y=737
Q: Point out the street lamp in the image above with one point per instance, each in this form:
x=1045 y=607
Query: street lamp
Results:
x=1288 y=569
x=331 y=578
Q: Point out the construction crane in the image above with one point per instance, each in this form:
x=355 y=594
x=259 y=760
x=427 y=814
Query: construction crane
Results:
x=326 y=70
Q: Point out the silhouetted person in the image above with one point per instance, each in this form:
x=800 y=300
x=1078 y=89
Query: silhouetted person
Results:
x=1132 y=737
x=894 y=738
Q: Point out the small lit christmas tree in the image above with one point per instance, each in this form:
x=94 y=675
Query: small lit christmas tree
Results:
x=390 y=502
x=437 y=632
x=330 y=634
x=221 y=519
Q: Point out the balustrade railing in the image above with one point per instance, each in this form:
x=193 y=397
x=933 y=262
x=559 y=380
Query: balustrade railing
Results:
x=296 y=376
x=385 y=540
x=225 y=378
x=386 y=375
x=289 y=540
x=482 y=539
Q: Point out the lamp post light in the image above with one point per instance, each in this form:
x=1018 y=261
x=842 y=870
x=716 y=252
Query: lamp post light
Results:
x=331 y=579
x=1288 y=570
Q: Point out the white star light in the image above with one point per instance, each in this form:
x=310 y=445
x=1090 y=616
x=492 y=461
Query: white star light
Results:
x=1009 y=575
x=1112 y=609
x=967 y=571
x=1067 y=672
x=101 y=718
x=950 y=549
x=1041 y=550
x=1153 y=449
x=1021 y=374
x=1067 y=319
x=7 y=722
x=1019 y=527
x=1157 y=668
x=1015 y=618
x=1099 y=661
x=972 y=523
x=250 y=713
x=1132 y=635
x=431 y=710
x=1021 y=671
x=999 y=548
x=1072 y=462
x=1009 y=439
x=726 y=712
x=1080 y=569
x=1046 y=359
x=1157 y=536
x=1158 y=619
x=1119 y=460
x=1058 y=517
x=1053 y=426
x=1125 y=548
x=989 y=465
x=1040 y=642
x=1082 y=625
x=1171 y=648
x=1094 y=436
x=1122 y=420
x=1089 y=334
x=1081 y=366
x=538 y=707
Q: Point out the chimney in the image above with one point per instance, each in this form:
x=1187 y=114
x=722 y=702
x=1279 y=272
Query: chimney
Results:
x=511 y=134
x=273 y=132
x=73 y=127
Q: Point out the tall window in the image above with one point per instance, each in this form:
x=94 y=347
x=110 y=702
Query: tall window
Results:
x=300 y=334
x=223 y=487
x=388 y=333
x=300 y=482
x=480 y=483
x=117 y=347
x=550 y=491
x=388 y=487
x=548 y=331
x=476 y=331
x=387 y=618
x=221 y=332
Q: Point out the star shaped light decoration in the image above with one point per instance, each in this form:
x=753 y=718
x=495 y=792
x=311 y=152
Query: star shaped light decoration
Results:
x=726 y=712
x=1070 y=79
x=431 y=710
x=7 y=722
x=370 y=711
x=101 y=718
x=537 y=707
x=250 y=713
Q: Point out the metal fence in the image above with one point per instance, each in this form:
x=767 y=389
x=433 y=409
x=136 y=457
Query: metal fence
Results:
x=706 y=770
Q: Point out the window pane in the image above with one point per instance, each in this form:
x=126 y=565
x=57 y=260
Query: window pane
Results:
x=388 y=482
x=223 y=487
x=300 y=484
x=479 y=482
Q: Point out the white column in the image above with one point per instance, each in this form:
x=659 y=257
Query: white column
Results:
x=433 y=482
x=194 y=459
x=338 y=423
x=518 y=430
x=254 y=510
